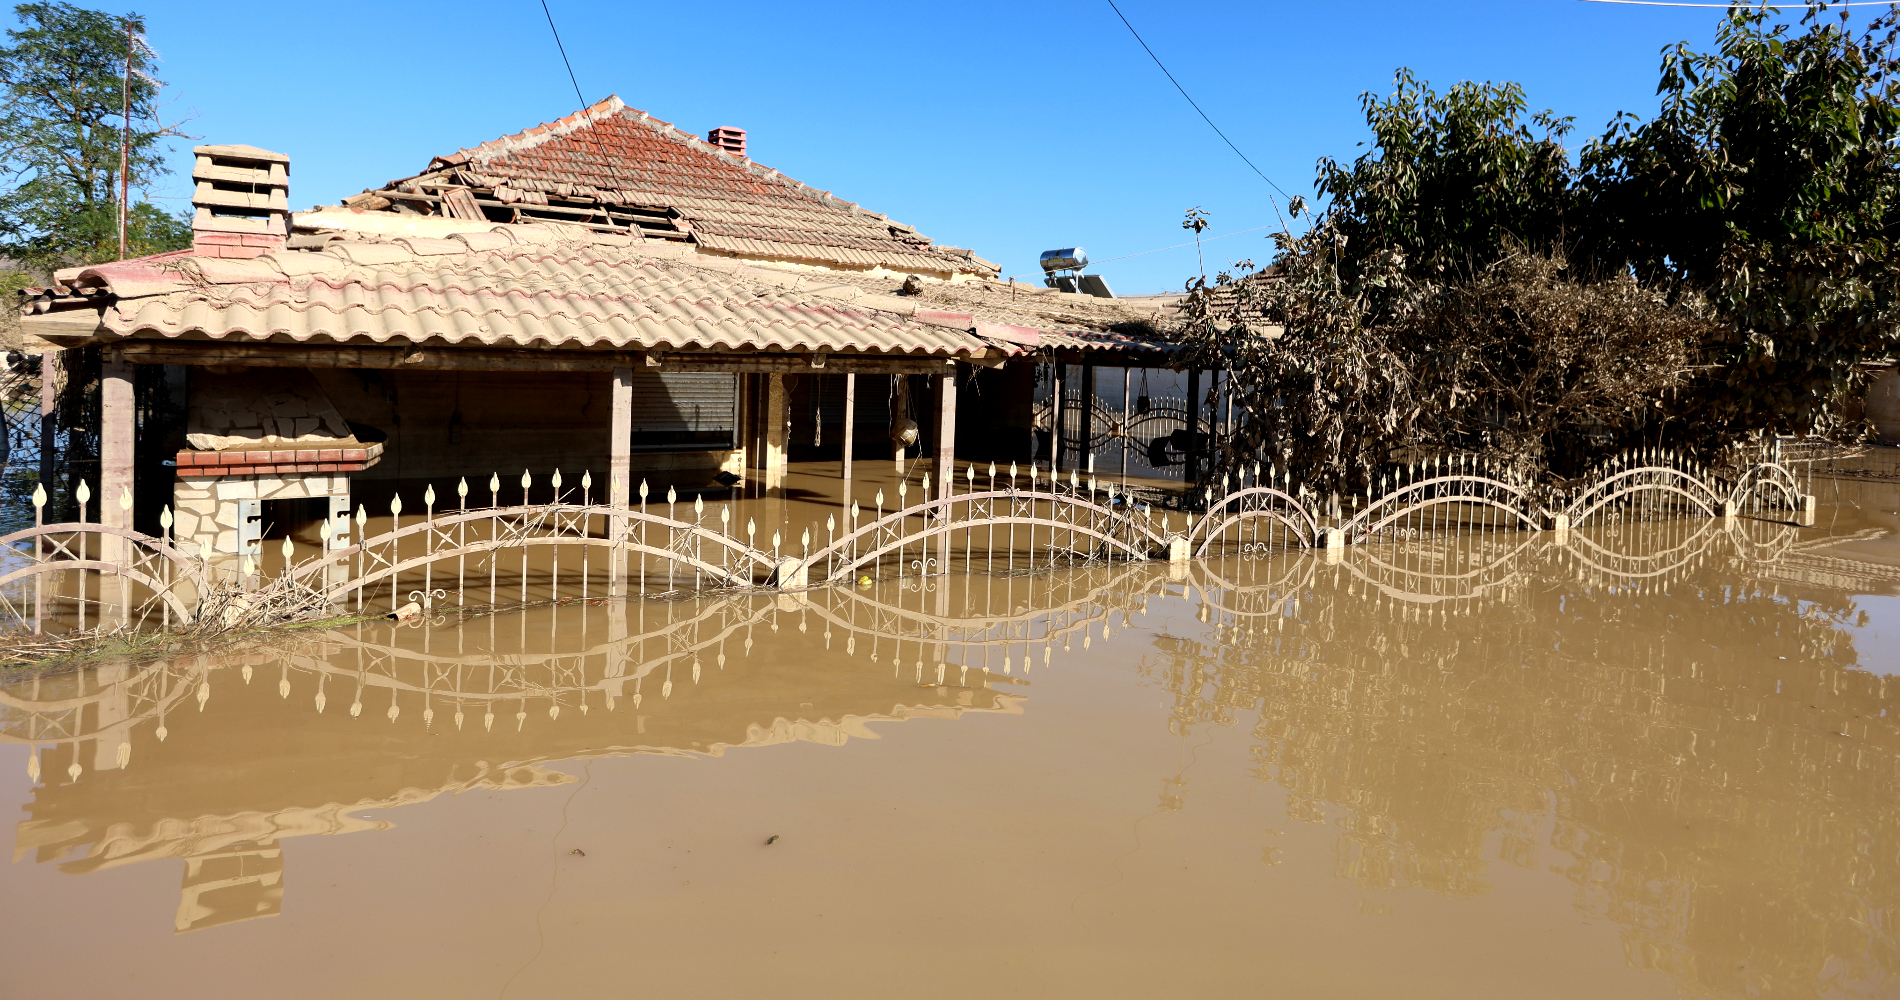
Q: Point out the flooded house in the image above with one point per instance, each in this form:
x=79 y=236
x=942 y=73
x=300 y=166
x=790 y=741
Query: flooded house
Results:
x=605 y=295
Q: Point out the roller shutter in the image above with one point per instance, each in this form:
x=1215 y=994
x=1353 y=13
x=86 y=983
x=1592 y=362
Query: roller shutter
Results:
x=685 y=411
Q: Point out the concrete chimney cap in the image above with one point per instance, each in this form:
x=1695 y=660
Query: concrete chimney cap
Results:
x=242 y=153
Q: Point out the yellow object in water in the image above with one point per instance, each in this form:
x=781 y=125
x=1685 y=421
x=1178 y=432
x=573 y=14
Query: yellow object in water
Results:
x=864 y=581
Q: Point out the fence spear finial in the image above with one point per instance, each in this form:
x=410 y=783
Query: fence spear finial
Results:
x=39 y=495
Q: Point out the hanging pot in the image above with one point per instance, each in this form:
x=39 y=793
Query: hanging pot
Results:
x=1142 y=404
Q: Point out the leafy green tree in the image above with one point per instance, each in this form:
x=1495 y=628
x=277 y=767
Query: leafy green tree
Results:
x=66 y=82
x=1453 y=182
x=1706 y=278
x=1768 y=184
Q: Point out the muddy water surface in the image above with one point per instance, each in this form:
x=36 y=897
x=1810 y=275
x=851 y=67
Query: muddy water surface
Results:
x=1656 y=761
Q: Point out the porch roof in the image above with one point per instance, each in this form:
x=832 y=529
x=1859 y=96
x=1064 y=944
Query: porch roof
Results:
x=511 y=286
x=522 y=286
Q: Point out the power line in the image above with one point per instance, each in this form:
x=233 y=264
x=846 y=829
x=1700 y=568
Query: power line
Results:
x=563 y=51
x=1190 y=100
x=1177 y=246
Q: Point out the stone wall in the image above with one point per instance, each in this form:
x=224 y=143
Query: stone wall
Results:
x=247 y=408
x=207 y=509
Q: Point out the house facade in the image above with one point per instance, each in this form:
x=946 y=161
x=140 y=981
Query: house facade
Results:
x=604 y=295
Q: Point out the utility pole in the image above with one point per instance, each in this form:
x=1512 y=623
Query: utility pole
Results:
x=125 y=136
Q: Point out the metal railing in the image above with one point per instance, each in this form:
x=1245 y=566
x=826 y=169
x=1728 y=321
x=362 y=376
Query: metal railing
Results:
x=982 y=521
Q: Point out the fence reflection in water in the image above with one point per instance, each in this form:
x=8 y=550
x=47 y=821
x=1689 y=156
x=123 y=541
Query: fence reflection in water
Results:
x=958 y=631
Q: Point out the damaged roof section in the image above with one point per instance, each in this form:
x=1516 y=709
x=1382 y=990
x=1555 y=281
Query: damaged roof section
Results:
x=611 y=168
x=518 y=286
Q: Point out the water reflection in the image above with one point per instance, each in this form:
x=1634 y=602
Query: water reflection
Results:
x=1679 y=730
x=1671 y=717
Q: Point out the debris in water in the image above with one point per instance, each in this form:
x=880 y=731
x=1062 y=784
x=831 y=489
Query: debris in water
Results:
x=769 y=840
x=578 y=851
x=407 y=612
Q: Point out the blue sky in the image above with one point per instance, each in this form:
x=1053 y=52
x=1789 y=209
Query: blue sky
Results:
x=1009 y=128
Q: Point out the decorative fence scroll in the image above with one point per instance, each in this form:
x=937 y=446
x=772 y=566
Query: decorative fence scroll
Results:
x=119 y=575
x=982 y=520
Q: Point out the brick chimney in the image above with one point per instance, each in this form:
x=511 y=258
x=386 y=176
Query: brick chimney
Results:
x=732 y=140
x=241 y=201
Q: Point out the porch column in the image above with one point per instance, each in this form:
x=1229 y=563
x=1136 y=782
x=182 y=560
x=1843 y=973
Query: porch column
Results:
x=49 y=420
x=1087 y=462
x=777 y=421
x=1125 y=426
x=1192 y=471
x=850 y=425
x=946 y=461
x=118 y=431
x=619 y=472
x=900 y=411
x=1055 y=419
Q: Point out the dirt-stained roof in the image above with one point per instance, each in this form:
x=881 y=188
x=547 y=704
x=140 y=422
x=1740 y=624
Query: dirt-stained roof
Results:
x=613 y=168
x=531 y=286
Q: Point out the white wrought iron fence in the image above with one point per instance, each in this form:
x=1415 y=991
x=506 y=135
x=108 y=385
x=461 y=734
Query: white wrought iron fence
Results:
x=984 y=520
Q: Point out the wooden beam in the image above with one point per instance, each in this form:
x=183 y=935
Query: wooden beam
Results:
x=197 y=352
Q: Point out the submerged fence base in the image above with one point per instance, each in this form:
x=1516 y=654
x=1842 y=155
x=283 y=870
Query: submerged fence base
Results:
x=79 y=574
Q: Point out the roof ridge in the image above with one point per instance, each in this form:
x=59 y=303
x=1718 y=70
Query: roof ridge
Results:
x=529 y=138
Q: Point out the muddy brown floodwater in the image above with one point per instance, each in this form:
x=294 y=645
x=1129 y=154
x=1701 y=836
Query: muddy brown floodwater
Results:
x=1649 y=761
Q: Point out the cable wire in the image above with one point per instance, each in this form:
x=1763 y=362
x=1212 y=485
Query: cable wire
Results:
x=1190 y=100
x=563 y=51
